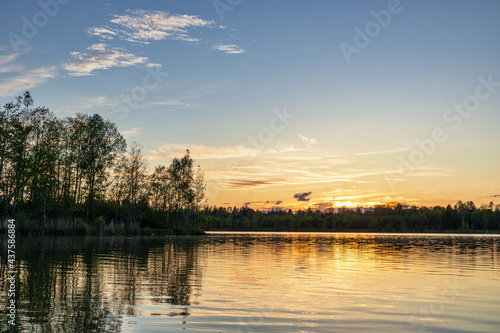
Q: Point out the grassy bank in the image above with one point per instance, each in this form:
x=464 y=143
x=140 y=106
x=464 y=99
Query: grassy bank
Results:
x=98 y=227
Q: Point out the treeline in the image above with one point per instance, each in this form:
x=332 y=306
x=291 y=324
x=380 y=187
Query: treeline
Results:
x=75 y=175
x=463 y=217
x=75 y=172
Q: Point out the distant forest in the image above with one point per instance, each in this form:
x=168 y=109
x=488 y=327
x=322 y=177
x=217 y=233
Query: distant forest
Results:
x=463 y=217
x=75 y=175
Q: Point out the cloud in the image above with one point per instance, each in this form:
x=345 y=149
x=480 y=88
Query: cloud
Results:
x=332 y=180
x=142 y=26
x=308 y=141
x=169 y=150
x=7 y=65
x=229 y=48
x=491 y=196
x=373 y=152
x=16 y=78
x=171 y=105
x=27 y=80
x=431 y=170
x=87 y=103
x=108 y=105
x=103 y=32
x=249 y=183
x=131 y=132
x=303 y=196
x=101 y=56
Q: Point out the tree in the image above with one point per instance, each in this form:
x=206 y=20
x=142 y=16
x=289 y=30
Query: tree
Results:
x=70 y=168
x=181 y=178
x=161 y=189
x=20 y=148
x=8 y=115
x=133 y=170
x=101 y=145
x=199 y=188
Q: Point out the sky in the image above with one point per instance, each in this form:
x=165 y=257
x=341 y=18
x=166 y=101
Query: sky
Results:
x=283 y=104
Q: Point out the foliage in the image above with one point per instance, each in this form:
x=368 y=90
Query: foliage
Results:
x=396 y=218
x=77 y=169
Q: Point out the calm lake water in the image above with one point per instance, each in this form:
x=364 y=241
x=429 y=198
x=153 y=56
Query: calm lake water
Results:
x=256 y=282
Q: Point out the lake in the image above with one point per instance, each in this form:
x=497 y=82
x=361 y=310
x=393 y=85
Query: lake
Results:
x=256 y=282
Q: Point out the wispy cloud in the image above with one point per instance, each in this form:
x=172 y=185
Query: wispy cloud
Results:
x=101 y=56
x=491 y=196
x=229 y=48
x=7 y=64
x=308 y=141
x=131 y=132
x=16 y=78
x=168 y=151
x=431 y=170
x=373 y=152
x=102 y=32
x=107 y=105
x=241 y=183
x=332 y=180
x=170 y=105
x=87 y=103
x=143 y=26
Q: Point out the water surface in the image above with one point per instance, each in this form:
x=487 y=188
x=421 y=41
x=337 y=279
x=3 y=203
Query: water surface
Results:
x=256 y=282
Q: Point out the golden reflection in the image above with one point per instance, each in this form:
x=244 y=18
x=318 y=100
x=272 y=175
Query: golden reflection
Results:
x=288 y=282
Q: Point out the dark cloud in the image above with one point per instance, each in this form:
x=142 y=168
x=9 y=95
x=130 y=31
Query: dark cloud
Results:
x=274 y=202
x=491 y=196
x=303 y=196
x=248 y=183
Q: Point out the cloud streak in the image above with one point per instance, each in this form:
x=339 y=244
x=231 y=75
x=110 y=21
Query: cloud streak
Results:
x=101 y=56
x=169 y=150
x=308 y=141
x=143 y=26
x=131 y=132
x=17 y=79
x=241 y=183
x=229 y=48
x=374 y=152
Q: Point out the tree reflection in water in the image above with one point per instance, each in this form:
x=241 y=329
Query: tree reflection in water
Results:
x=72 y=284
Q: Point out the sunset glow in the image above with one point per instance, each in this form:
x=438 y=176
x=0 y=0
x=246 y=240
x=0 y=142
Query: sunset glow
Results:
x=284 y=106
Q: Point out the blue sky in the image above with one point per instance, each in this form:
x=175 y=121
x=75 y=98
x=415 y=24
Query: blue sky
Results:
x=231 y=72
